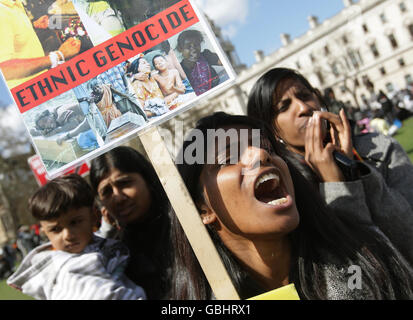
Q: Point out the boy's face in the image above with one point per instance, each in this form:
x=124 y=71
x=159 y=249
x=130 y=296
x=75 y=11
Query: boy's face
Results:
x=72 y=231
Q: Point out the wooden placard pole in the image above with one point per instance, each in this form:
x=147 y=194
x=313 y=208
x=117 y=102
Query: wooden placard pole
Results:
x=188 y=216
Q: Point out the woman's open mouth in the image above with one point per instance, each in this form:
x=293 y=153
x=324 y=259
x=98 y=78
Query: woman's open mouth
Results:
x=269 y=189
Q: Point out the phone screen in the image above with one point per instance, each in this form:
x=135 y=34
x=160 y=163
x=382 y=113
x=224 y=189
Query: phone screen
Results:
x=325 y=126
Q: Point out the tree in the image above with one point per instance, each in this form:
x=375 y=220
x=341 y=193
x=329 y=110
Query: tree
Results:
x=16 y=178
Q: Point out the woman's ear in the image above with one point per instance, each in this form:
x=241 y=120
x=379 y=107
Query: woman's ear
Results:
x=208 y=216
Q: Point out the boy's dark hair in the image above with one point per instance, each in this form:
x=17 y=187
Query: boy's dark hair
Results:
x=60 y=195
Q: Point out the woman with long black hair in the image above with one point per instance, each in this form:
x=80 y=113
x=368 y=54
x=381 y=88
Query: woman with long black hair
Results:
x=368 y=177
x=271 y=227
x=129 y=189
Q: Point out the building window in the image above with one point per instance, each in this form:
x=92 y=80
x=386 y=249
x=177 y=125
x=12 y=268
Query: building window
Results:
x=374 y=50
x=402 y=7
x=383 y=18
x=410 y=27
x=298 y=65
x=382 y=71
x=335 y=70
x=353 y=59
x=343 y=89
x=393 y=41
x=365 y=79
x=389 y=87
x=409 y=79
x=401 y=62
x=345 y=39
x=312 y=57
x=326 y=50
x=320 y=77
x=365 y=28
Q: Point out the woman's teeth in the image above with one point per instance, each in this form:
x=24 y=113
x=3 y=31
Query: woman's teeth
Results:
x=277 y=202
x=266 y=177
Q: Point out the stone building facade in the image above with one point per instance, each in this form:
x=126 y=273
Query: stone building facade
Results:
x=367 y=40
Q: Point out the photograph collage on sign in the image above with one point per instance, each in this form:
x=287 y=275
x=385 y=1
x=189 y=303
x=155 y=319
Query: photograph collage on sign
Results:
x=148 y=87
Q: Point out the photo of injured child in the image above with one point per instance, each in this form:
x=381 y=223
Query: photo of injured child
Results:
x=157 y=84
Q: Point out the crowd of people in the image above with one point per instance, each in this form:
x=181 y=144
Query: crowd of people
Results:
x=312 y=199
x=380 y=112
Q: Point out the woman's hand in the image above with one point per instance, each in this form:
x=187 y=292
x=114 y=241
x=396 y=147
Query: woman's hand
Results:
x=319 y=156
x=340 y=132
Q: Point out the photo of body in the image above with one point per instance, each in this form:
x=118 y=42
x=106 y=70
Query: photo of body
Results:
x=61 y=131
x=106 y=98
x=146 y=89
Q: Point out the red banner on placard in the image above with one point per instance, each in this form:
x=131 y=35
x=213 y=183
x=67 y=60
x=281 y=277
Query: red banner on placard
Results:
x=39 y=170
x=104 y=56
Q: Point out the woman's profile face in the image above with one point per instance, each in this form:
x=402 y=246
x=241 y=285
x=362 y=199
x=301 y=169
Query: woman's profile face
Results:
x=125 y=195
x=294 y=109
x=252 y=195
x=144 y=66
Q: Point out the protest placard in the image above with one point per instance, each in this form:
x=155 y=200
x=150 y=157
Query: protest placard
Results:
x=87 y=76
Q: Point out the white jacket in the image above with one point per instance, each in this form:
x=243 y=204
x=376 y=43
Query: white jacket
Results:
x=94 y=274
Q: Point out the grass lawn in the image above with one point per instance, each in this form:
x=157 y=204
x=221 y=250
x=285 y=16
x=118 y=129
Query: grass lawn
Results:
x=405 y=136
x=8 y=293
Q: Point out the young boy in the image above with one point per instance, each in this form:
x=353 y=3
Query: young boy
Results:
x=75 y=264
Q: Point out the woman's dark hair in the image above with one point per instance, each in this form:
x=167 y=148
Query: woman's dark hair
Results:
x=321 y=243
x=149 y=240
x=60 y=195
x=263 y=98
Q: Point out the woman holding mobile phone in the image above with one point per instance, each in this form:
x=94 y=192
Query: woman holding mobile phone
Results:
x=370 y=184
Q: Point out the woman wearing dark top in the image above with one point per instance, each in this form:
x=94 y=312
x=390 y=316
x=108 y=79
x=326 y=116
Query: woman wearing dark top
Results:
x=128 y=187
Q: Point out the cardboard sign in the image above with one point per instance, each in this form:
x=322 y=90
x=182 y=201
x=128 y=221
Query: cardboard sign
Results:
x=40 y=174
x=88 y=75
x=284 y=293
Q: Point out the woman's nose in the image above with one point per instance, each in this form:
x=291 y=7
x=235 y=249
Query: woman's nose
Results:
x=118 y=194
x=255 y=156
x=304 y=109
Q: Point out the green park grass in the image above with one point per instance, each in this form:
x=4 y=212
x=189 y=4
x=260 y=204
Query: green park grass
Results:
x=8 y=293
x=405 y=136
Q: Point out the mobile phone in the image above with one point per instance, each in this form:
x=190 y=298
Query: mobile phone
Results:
x=348 y=166
x=325 y=127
